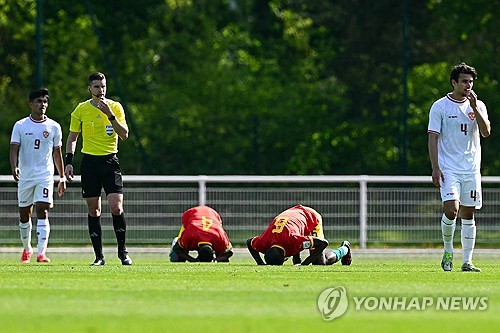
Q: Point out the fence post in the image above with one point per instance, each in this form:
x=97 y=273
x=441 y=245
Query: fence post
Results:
x=363 y=208
x=202 y=190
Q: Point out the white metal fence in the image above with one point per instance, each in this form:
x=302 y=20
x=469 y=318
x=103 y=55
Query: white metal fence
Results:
x=367 y=210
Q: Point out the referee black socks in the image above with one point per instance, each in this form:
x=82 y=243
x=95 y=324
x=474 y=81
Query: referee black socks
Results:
x=95 y=232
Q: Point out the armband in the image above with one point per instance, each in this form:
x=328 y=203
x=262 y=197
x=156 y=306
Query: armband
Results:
x=69 y=158
x=62 y=179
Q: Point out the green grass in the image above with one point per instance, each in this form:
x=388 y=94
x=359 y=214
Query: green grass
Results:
x=154 y=295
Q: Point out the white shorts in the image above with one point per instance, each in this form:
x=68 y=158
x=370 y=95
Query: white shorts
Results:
x=464 y=188
x=31 y=191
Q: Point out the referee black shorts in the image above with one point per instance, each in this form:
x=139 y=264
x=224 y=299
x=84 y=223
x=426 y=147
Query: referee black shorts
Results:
x=100 y=172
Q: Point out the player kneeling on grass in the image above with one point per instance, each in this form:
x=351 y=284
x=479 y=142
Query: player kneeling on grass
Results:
x=201 y=231
x=296 y=229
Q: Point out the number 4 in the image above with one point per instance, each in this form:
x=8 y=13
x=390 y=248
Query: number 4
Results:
x=206 y=223
x=463 y=128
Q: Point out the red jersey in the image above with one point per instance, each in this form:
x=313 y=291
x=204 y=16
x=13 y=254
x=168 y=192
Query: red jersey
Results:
x=203 y=225
x=288 y=231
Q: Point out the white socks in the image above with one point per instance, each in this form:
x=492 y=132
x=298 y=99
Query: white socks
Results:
x=448 y=230
x=468 y=239
x=468 y=236
x=43 y=231
x=25 y=232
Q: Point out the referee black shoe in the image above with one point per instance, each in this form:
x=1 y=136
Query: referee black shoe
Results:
x=126 y=261
x=98 y=262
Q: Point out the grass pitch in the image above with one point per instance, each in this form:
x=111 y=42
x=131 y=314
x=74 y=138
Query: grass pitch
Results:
x=154 y=295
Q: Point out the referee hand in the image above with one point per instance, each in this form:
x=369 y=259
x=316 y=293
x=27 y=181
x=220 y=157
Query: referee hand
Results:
x=68 y=171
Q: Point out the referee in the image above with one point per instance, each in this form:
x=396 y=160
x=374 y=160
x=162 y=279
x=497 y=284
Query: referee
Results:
x=101 y=121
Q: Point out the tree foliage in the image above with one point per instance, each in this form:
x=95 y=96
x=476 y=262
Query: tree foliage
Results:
x=253 y=87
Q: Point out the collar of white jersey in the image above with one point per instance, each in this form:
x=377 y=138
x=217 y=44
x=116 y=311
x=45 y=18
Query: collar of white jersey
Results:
x=38 y=121
x=448 y=95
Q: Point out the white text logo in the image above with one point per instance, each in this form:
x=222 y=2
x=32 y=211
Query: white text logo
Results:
x=333 y=303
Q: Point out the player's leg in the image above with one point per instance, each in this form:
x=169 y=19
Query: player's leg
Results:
x=173 y=257
x=468 y=238
x=325 y=258
x=25 y=203
x=95 y=228
x=119 y=225
x=450 y=194
x=344 y=253
x=91 y=191
x=42 y=230
x=470 y=200
x=448 y=226
x=25 y=229
x=113 y=186
x=43 y=197
x=322 y=259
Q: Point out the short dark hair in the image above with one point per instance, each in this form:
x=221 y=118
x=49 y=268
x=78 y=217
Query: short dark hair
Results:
x=41 y=92
x=95 y=76
x=274 y=256
x=462 y=68
x=206 y=253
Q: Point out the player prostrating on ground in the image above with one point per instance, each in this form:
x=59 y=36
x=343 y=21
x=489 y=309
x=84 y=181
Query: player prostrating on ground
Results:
x=201 y=231
x=456 y=122
x=35 y=146
x=101 y=122
x=296 y=229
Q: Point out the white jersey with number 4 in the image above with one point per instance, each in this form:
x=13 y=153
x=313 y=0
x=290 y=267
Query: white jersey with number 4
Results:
x=459 y=146
x=37 y=140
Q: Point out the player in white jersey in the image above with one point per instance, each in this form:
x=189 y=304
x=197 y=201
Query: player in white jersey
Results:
x=35 y=146
x=456 y=122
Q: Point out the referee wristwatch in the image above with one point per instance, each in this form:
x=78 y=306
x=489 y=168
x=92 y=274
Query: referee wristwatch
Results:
x=112 y=118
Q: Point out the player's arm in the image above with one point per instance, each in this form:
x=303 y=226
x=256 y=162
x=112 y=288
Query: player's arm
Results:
x=432 y=144
x=14 y=153
x=70 y=150
x=120 y=128
x=58 y=161
x=228 y=251
x=482 y=122
x=296 y=260
x=224 y=257
x=255 y=254
x=182 y=254
x=319 y=245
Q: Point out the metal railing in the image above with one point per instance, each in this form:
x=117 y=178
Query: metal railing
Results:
x=364 y=209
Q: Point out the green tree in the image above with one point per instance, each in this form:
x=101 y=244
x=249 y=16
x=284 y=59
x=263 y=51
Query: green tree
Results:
x=253 y=87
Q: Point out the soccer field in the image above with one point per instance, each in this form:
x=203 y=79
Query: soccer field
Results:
x=154 y=295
